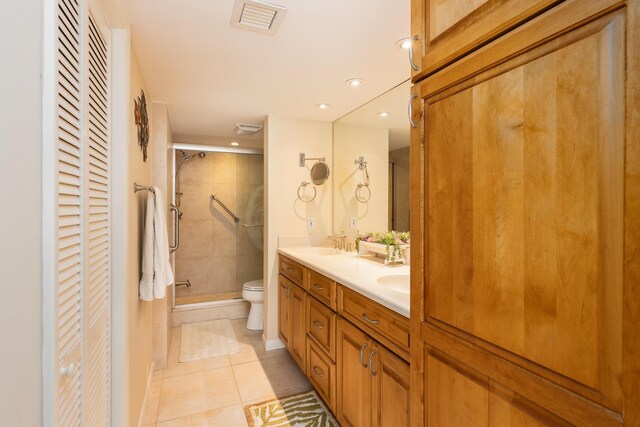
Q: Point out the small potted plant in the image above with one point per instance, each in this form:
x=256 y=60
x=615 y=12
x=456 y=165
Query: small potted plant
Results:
x=392 y=245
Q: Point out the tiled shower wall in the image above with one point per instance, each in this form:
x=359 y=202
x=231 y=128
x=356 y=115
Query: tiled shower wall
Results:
x=216 y=254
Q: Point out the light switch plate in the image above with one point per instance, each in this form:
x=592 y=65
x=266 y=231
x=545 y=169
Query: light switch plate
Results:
x=311 y=223
x=353 y=223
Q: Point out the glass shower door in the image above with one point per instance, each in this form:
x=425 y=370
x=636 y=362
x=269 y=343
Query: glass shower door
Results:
x=250 y=230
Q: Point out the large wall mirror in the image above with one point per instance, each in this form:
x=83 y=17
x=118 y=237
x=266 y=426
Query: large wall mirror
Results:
x=371 y=165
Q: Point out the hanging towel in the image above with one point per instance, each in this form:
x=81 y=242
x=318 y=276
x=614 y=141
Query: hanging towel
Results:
x=148 y=247
x=163 y=274
x=156 y=268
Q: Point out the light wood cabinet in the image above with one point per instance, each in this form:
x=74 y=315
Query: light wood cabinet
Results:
x=354 y=378
x=291 y=319
x=373 y=382
x=297 y=340
x=525 y=301
x=363 y=377
x=446 y=30
x=284 y=312
x=390 y=389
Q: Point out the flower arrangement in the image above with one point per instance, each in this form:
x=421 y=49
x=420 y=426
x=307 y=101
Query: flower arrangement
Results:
x=395 y=243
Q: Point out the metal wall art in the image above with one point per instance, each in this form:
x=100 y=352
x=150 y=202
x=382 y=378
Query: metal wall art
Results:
x=142 y=122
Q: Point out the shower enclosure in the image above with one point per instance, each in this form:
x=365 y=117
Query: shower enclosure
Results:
x=221 y=238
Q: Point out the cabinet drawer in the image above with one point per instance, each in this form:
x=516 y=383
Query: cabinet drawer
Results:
x=323 y=288
x=322 y=373
x=321 y=326
x=382 y=323
x=292 y=270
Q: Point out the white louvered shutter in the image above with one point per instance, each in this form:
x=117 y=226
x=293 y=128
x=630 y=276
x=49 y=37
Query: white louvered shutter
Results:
x=69 y=215
x=98 y=242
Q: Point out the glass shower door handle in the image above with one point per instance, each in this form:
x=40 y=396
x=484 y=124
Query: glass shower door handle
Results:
x=176 y=228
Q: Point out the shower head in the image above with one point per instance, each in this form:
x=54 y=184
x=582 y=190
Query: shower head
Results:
x=186 y=158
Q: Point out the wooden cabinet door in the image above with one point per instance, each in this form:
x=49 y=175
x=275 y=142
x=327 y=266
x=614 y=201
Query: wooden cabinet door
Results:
x=529 y=307
x=445 y=30
x=297 y=344
x=390 y=391
x=354 y=379
x=284 y=324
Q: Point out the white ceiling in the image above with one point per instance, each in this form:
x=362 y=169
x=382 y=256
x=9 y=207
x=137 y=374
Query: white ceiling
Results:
x=395 y=102
x=213 y=75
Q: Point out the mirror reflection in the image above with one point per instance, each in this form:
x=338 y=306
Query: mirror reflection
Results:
x=371 y=165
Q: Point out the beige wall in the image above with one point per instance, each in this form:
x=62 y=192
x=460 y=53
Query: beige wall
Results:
x=351 y=142
x=161 y=140
x=20 y=218
x=285 y=138
x=216 y=254
x=140 y=312
x=401 y=159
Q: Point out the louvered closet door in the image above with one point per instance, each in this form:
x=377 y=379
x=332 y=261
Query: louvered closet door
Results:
x=97 y=284
x=81 y=342
x=68 y=267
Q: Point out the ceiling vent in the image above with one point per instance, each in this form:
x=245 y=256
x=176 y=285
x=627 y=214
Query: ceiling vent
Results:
x=257 y=16
x=246 y=129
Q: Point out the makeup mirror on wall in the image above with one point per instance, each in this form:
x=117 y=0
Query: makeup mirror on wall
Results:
x=371 y=165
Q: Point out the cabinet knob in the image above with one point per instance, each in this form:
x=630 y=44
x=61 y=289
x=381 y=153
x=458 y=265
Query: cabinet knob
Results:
x=68 y=370
x=413 y=64
x=410 y=111
x=370 y=320
x=371 y=363
x=362 y=354
x=317 y=324
x=318 y=371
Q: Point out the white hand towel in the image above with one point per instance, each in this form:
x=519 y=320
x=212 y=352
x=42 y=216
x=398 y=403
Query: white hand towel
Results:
x=148 y=245
x=163 y=274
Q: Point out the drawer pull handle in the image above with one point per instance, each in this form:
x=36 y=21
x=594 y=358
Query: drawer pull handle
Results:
x=316 y=286
x=371 y=363
x=370 y=320
x=362 y=355
x=317 y=324
x=318 y=371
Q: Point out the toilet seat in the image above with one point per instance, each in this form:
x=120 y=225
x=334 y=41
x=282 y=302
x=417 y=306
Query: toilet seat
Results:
x=254 y=286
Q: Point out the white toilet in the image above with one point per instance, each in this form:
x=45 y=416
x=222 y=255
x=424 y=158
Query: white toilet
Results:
x=254 y=293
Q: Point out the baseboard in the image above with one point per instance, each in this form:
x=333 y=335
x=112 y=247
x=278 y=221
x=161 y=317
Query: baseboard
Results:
x=147 y=392
x=272 y=344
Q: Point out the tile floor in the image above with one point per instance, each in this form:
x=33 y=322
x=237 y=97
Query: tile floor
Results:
x=213 y=392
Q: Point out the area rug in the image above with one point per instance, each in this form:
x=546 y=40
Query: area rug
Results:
x=301 y=410
x=207 y=339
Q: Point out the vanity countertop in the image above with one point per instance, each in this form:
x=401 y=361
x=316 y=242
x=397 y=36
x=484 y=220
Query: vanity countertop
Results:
x=386 y=285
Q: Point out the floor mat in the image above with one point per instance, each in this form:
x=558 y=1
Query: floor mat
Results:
x=301 y=410
x=207 y=339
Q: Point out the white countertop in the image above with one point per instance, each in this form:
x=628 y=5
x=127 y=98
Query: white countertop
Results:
x=361 y=274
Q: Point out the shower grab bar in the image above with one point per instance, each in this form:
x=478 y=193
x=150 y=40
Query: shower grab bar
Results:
x=176 y=228
x=253 y=225
x=235 y=218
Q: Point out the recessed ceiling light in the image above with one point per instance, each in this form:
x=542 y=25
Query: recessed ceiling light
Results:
x=383 y=114
x=355 y=82
x=235 y=144
x=404 y=43
x=322 y=106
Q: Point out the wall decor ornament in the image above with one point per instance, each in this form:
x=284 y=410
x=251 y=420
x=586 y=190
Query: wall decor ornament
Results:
x=142 y=122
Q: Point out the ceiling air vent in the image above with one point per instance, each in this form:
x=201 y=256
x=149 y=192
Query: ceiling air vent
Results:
x=257 y=16
x=246 y=129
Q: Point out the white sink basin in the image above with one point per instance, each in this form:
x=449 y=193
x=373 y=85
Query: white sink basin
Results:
x=397 y=282
x=320 y=251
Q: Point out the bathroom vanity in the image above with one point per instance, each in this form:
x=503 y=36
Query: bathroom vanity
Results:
x=345 y=322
